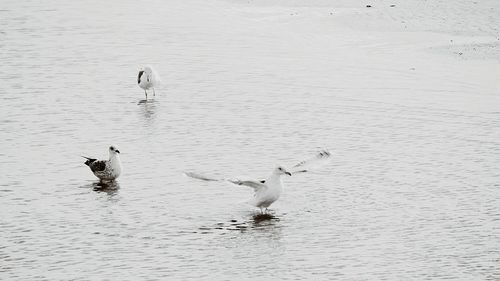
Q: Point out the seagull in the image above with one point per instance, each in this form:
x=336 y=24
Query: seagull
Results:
x=267 y=191
x=106 y=170
x=147 y=79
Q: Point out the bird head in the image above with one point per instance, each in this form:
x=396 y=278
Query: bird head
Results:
x=113 y=150
x=281 y=171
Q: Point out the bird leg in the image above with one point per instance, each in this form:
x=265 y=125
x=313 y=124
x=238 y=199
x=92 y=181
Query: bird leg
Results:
x=154 y=94
x=146 y=94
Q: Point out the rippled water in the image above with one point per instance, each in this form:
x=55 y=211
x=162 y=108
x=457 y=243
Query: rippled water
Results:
x=412 y=192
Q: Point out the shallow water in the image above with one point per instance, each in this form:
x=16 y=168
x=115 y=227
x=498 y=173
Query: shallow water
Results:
x=412 y=191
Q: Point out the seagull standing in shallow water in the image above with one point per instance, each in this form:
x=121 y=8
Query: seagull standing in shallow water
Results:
x=148 y=79
x=266 y=191
x=269 y=190
x=106 y=170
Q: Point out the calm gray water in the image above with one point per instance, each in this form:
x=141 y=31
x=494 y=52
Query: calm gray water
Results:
x=412 y=192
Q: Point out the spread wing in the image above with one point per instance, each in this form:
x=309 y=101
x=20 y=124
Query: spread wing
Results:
x=202 y=177
x=311 y=164
x=256 y=185
x=98 y=166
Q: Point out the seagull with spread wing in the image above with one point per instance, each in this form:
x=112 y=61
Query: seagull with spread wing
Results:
x=269 y=190
x=106 y=170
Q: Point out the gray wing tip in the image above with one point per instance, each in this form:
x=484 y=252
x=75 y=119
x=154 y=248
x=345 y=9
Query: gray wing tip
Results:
x=198 y=176
x=324 y=153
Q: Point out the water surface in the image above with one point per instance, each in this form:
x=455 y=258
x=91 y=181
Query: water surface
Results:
x=412 y=192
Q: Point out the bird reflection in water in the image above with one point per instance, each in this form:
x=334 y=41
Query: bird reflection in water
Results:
x=262 y=218
x=259 y=222
x=148 y=109
x=110 y=188
x=261 y=228
x=266 y=225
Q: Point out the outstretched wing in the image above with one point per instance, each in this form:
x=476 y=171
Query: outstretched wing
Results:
x=201 y=177
x=256 y=185
x=321 y=159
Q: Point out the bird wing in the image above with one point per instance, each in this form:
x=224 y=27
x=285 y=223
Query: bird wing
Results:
x=201 y=176
x=89 y=160
x=98 y=166
x=319 y=160
x=156 y=79
x=256 y=185
x=139 y=76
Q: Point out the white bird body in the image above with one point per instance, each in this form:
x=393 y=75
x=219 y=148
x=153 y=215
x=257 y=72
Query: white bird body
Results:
x=148 y=79
x=269 y=190
x=266 y=191
x=106 y=170
x=264 y=197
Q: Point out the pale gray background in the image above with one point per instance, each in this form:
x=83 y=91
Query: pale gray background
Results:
x=406 y=99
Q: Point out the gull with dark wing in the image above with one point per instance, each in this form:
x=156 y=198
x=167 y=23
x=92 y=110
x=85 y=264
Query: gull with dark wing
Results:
x=106 y=170
x=148 y=79
x=269 y=190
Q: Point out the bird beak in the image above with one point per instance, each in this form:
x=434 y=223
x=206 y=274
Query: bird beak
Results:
x=117 y=151
x=288 y=173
